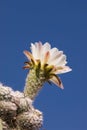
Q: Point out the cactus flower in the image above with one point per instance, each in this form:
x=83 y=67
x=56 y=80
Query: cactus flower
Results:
x=44 y=64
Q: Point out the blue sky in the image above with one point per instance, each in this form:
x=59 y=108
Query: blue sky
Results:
x=63 y=23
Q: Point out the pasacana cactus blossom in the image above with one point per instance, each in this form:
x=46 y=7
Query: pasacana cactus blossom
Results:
x=16 y=108
x=45 y=63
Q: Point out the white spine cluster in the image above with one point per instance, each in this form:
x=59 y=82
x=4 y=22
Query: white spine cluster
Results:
x=17 y=111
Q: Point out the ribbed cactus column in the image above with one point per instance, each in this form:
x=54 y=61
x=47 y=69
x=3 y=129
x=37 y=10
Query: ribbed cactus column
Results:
x=34 y=81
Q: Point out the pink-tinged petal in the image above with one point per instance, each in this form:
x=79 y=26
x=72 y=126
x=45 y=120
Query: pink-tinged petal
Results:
x=45 y=48
x=62 y=69
x=46 y=57
x=26 y=67
x=57 y=81
x=28 y=55
x=38 y=49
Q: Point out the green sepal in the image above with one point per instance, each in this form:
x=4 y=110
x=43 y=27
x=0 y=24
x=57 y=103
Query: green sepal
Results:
x=38 y=68
x=47 y=71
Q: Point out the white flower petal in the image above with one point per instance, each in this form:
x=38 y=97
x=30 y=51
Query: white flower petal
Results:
x=33 y=49
x=54 y=57
x=36 y=50
x=63 y=69
x=46 y=47
x=53 y=51
x=61 y=61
